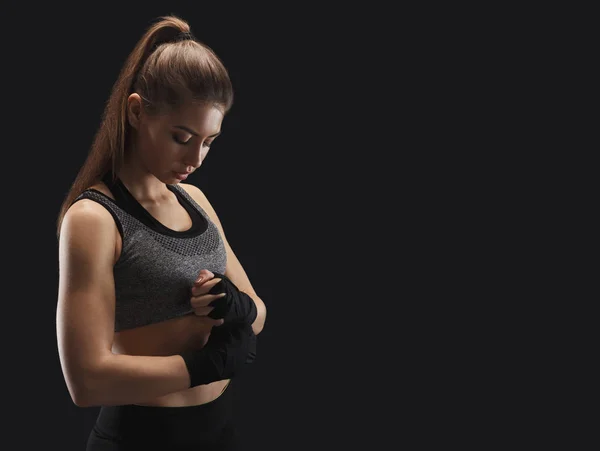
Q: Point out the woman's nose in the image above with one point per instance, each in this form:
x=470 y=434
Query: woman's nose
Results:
x=194 y=159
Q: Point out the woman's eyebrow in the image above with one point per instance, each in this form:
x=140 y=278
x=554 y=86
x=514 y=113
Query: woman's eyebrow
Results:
x=189 y=130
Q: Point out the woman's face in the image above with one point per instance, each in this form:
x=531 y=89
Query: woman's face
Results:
x=176 y=143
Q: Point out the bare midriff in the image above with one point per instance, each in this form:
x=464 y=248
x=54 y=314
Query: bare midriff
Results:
x=170 y=338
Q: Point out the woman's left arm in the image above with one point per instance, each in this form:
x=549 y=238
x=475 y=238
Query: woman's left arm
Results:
x=234 y=270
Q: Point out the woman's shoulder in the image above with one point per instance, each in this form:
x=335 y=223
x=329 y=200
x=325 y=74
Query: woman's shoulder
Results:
x=101 y=186
x=85 y=211
x=87 y=220
x=195 y=193
x=192 y=190
x=200 y=198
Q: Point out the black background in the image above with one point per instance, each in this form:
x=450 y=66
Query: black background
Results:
x=288 y=179
x=339 y=179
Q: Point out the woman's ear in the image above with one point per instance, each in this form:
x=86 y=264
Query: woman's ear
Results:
x=134 y=109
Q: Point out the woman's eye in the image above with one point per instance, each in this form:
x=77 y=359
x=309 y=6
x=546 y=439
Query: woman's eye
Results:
x=207 y=144
x=178 y=141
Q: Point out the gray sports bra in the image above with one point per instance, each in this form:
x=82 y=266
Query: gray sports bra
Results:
x=157 y=266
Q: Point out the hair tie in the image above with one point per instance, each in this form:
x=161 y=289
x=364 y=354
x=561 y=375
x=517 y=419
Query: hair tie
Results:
x=184 y=36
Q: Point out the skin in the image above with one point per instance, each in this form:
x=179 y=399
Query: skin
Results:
x=104 y=367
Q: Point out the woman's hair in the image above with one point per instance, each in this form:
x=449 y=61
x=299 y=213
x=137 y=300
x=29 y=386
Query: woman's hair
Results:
x=168 y=68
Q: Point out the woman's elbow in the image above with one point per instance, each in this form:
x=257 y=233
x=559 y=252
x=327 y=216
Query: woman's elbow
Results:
x=80 y=399
x=79 y=391
x=84 y=386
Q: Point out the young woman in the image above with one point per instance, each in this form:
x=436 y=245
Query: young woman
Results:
x=156 y=316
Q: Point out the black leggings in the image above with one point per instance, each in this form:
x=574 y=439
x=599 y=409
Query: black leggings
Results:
x=205 y=427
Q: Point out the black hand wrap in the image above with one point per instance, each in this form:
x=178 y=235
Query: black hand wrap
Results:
x=228 y=349
x=235 y=306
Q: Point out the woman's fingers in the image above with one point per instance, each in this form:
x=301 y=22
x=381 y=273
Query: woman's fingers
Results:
x=204 y=287
x=200 y=300
x=204 y=300
x=204 y=275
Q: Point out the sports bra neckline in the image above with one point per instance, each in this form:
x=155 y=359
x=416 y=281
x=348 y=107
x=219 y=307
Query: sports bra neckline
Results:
x=125 y=200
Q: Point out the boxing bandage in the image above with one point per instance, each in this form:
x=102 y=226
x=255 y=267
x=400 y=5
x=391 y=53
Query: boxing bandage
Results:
x=235 y=306
x=229 y=348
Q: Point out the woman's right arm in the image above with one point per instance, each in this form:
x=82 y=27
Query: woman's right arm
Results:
x=94 y=375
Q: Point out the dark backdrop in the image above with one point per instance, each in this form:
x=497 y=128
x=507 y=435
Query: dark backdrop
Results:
x=343 y=183
x=289 y=179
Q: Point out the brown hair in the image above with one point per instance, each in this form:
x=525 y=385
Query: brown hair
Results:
x=167 y=71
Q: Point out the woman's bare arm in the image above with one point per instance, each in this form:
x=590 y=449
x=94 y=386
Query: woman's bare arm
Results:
x=85 y=320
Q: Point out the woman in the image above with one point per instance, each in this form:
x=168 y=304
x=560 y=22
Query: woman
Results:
x=156 y=316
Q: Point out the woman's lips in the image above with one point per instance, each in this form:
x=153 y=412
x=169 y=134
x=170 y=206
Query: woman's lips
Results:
x=181 y=175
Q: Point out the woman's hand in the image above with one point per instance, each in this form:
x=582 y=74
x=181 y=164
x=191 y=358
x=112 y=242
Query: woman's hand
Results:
x=200 y=297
